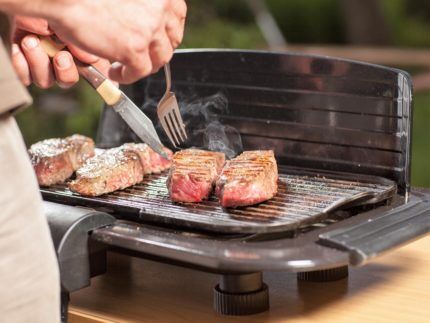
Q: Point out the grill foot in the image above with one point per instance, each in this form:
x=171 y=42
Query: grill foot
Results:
x=241 y=295
x=65 y=298
x=325 y=275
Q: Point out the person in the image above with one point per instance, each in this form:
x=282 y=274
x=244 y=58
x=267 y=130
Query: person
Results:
x=138 y=37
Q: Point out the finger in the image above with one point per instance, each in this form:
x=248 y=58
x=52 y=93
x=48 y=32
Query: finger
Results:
x=82 y=55
x=103 y=65
x=175 y=31
x=179 y=8
x=65 y=69
x=127 y=74
x=20 y=64
x=38 y=61
x=34 y=25
x=160 y=51
x=176 y=22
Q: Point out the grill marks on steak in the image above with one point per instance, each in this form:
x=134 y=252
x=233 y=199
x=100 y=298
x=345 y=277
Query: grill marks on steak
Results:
x=55 y=160
x=117 y=168
x=193 y=174
x=248 y=179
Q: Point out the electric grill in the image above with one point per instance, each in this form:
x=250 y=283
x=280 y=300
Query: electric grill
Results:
x=341 y=132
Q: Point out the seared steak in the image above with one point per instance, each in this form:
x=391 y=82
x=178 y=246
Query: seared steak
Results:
x=248 y=179
x=193 y=174
x=152 y=162
x=55 y=160
x=116 y=169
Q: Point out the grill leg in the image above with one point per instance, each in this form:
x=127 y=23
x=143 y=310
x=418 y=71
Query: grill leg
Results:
x=325 y=275
x=65 y=298
x=242 y=294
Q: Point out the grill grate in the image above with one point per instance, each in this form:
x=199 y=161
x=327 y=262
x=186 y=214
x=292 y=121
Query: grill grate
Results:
x=304 y=197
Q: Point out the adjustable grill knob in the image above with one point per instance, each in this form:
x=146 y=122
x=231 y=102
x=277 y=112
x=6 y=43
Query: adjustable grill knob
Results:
x=324 y=275
x=241 y=304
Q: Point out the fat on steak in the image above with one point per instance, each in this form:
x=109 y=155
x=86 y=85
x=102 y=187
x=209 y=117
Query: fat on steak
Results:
x=55 y=160
x=116 y=169
x=193 y=174
x=248 y=179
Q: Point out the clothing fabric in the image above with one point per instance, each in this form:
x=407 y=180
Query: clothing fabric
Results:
x=13 y=95
x=29 y=275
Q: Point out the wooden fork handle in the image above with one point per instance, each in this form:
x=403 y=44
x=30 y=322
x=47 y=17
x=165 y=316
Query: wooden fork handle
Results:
x=106 y=89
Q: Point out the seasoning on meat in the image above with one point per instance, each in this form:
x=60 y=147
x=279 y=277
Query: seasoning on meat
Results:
x=116 y=169
x=193 y=174
x=248 y=179
x=55 y=160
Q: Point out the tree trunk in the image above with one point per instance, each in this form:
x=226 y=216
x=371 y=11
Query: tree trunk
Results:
x=364 y=22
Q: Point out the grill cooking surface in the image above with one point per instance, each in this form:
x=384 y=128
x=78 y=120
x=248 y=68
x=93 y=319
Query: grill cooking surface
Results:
x=304 y=197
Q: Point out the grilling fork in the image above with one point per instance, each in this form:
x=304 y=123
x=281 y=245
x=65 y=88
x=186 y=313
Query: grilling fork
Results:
x=169 y=114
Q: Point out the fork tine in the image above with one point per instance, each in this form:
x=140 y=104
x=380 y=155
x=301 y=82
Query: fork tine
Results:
x=167 y=130
x=176 y=124
x=172 y=129
x=180 y=123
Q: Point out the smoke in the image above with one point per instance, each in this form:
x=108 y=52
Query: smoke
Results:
x=203 y=118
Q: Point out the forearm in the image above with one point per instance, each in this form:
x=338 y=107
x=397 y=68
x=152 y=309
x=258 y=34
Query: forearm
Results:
x=48 y=9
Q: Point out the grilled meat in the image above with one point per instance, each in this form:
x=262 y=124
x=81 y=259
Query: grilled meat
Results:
x=152 y=162
x=248 y=179
x=193 y=174
x=116 y=169
x=55 y=160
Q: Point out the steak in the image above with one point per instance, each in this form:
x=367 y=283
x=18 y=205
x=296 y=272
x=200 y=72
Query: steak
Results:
x=248 y=179
x=193 y=174
x=55 y=160
x=152 y=162
x=116 y=169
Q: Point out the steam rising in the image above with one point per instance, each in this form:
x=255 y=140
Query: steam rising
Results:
x=222 y=138
x=203 y=120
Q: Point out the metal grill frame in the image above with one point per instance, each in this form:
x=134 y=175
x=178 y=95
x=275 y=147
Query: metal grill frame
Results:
x=304 y=197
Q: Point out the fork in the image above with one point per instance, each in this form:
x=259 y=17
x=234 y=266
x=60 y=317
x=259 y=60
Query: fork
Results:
x=169 y=115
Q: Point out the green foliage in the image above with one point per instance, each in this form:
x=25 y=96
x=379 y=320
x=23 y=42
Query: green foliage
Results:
x=218 y=34
x=408 y=26
x=221 y=24
x=309 y=21
x=36 y=123
x=234 y=11
x=421 y=141
x=85 y=120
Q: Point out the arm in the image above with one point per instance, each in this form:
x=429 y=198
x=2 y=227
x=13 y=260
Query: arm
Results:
x=138 y=34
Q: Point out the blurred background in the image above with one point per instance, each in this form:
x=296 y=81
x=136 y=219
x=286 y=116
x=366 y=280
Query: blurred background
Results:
x=390 y=32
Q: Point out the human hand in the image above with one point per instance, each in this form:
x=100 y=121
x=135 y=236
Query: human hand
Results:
x=140 y=35
x=31 y=62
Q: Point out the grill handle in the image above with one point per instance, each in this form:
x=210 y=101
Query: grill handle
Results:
x=393 y=229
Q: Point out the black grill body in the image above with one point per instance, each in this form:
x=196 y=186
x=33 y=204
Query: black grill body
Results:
x=317 y=113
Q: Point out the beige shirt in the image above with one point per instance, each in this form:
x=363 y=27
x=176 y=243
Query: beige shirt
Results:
x=29 y=278
x=13 y=95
